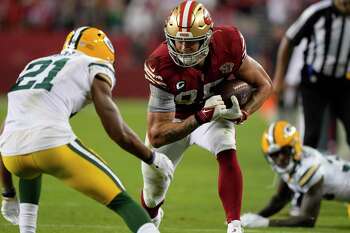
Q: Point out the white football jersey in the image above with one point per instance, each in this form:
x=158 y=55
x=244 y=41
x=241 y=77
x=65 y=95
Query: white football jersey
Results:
x=47 y=93
x=313 y=166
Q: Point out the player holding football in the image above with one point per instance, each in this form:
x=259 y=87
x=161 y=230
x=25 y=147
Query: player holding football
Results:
x=301 y=169
x=38 y=139
x=183 y=109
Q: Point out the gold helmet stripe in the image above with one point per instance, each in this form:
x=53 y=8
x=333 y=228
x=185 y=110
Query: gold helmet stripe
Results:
x=74 y=41
x=185 y=15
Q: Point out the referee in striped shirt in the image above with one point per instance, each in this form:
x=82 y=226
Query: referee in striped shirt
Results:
x=326 y=68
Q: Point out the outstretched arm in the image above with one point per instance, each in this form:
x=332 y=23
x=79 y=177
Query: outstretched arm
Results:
x=120 y=132
x=113 y=123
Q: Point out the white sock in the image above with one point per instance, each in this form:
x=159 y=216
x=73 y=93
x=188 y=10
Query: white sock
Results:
x=28 y=214
x=147 y=228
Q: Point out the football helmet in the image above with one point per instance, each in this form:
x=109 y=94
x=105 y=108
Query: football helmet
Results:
x=342 y=5
x=283 y=137
x=190 y=21
x=90 y=41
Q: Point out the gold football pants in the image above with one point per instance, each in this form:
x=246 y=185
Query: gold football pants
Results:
x=74 y=164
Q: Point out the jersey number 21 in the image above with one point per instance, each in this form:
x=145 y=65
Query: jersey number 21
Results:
x=33 y=75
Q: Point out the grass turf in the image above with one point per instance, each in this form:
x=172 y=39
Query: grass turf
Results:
x=192 y=204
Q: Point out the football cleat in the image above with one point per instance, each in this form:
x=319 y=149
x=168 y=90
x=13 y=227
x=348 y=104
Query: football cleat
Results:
x=157 y=219
x=189 y=22
x=90 y=41
x=234 y=227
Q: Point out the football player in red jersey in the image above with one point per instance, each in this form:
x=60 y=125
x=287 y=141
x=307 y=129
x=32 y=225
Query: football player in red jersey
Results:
x=184 y=110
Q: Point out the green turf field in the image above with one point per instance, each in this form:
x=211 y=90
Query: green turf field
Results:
x=192 y=205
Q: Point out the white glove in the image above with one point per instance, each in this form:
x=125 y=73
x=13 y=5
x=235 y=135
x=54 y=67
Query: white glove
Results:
x=251 y=220
x=10 y=209
x=213 y=109
x=233 y=113
x=163 y=164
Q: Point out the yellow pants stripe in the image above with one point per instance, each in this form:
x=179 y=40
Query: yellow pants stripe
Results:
x=87 y=154
x=73 y=164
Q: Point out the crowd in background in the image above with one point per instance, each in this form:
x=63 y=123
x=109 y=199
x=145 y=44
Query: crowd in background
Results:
x=262 y=22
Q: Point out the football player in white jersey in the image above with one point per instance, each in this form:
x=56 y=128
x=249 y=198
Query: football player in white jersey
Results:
x=301 y=169
x=38 y=139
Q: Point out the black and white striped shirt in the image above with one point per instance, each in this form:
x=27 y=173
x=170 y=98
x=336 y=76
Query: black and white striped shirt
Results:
x=327 y=32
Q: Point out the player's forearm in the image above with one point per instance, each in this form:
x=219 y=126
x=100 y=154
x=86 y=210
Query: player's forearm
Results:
x=132 y=143
x=299 y=221
x=283 y=57
x=165 y=133
x=124 y=136
x=259 y=96
x=275 y=205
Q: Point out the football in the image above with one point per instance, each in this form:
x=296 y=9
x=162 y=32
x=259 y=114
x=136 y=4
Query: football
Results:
x=242 y=90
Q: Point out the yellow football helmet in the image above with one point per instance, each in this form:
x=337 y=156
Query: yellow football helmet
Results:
x=279 y=136
x=92 y=42
x=189 y=21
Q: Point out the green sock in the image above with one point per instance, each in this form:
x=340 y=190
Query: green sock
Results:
x=133 y=214
x=29 y=190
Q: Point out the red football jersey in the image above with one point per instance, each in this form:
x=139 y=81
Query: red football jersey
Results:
x=192 y=85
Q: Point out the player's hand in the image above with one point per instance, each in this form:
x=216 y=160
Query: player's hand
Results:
x=251 y=220
x=213 y=109
x=235 y=113
x=163 y=164
x=10 y=209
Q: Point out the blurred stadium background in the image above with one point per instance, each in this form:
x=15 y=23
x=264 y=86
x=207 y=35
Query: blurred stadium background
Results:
x=34 y=28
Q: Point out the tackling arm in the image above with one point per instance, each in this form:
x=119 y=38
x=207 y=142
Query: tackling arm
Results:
x=253 y=73
x=113 y=122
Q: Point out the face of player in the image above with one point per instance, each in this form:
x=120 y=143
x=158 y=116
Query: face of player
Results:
x=343 y=6
x=187 y=47
x=282 y=158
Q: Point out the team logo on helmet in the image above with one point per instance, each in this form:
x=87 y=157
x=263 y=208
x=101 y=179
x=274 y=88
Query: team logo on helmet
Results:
x=90 y=41
x=283 y=137
x=190 y=21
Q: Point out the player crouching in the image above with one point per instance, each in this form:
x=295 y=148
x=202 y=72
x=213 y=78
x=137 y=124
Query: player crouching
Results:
x=301 y=169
